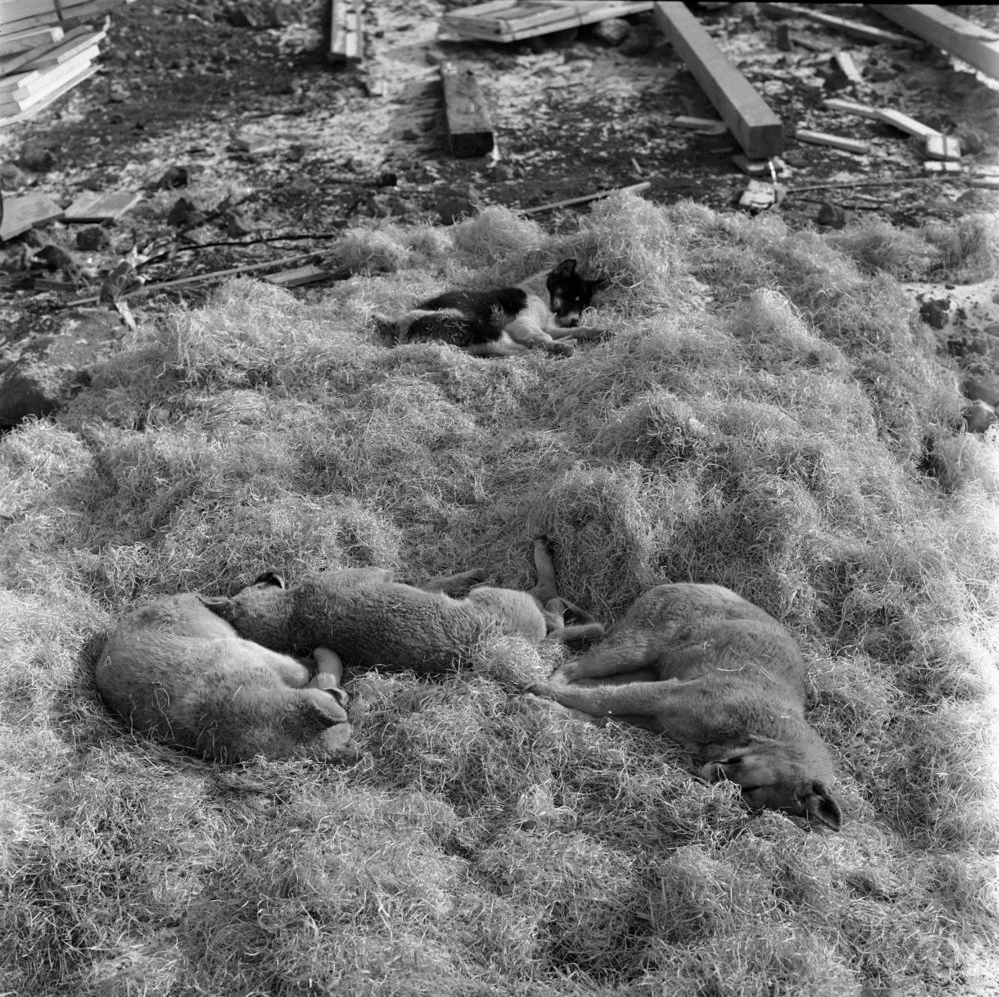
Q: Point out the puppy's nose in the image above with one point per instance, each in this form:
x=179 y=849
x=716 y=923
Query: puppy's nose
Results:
x=568 y=321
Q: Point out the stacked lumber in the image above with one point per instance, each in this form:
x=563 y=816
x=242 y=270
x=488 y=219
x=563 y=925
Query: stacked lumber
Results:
x=512 y=20
x=45 y=51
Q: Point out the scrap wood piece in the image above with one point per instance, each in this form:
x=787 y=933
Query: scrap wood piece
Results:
x=938 y=166
x=854 y=28
x=469 y=127
x=775 y=167
x=833 y=141
x=852 y=107
x=977 y=46
x=848 y=67
x=635 y=188
x=297 y=276
x=943 y=147
x=755 y=126
x=9 y=66
x=906 y=124
x=513 y=20
x=704 y=126
x=346 y=38
x=93 y=206
x=197 y=278
x=21 y=213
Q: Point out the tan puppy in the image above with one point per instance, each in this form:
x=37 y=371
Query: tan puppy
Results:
x=721 y=678
x=176 y=671
x=369 y=619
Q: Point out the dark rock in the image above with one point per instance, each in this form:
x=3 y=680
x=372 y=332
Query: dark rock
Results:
x=982 y=385
x=639 y=40
x=611 y=32
x=37 y=158
x=184 y=213
x=453 y=208
x=831 y=215
x=92 y=237
x=935 y=312
x=979 y=416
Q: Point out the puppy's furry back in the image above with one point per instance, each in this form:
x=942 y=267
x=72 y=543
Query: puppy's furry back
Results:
x=368 y=619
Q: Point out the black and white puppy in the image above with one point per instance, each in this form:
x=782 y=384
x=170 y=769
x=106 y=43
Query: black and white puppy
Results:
x=505 y=321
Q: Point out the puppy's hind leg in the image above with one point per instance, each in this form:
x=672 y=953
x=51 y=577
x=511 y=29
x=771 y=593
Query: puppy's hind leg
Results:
x=547 y=587
x=329 y=675
x=587 y=629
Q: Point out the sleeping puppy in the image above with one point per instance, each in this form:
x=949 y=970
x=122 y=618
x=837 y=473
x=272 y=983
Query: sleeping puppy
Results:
x=504 y=321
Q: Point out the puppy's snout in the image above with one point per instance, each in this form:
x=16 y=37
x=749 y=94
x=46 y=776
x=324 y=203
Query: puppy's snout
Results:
x=569 y=321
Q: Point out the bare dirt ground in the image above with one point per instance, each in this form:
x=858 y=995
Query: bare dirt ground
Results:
x=240 y=100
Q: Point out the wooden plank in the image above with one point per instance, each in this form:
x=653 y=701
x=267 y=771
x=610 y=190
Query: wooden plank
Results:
x=47 y=99
x=977 y=46
x=21 y=213
x=853 y=28
x=346 y=39
x=755 y=126
x=935 y=166
x=833 y=141
x=93 y=206
x=852 y=107
x=906 y=124
x=469 y=127
x=10 y=66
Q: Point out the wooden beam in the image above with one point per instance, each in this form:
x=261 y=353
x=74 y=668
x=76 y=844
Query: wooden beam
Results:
x=95 y=207
x=469 y=128
x=346 y=39
x=750 y=120
x=977 y=46
x=41 y=101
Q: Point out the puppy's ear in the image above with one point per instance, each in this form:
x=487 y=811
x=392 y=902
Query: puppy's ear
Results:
x=566 y=268
x=213 y=602
x=820 y=806
x=270 y=578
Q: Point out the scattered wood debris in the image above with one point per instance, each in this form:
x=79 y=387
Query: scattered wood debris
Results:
x=846 y=65
x=759 y=195
x=855 y=29
x=977 y=46
x=469 y=128
x=750 y=120
x=510 y=20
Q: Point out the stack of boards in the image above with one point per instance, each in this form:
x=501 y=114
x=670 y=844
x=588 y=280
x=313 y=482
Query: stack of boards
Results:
x=512 y=20
x=45 y=51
